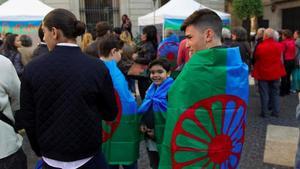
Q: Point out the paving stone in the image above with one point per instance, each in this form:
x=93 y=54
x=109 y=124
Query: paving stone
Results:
x=281 y=145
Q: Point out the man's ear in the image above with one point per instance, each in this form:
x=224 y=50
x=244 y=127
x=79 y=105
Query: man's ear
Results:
x=113 y=51
x=209 y=35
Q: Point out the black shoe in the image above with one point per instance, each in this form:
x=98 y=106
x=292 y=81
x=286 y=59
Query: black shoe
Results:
x=274 y=115
x=262 y=115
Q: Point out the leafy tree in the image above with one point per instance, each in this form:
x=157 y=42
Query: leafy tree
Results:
x=245 y=9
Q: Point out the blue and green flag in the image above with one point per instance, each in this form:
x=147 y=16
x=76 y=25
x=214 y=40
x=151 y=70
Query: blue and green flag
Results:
x=121 y=137
x=206 y=111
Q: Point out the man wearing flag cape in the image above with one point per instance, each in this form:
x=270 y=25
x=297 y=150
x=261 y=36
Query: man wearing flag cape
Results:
x=207 y=103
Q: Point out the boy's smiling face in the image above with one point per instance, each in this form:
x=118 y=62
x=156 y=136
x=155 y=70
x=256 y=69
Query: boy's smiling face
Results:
x=158 y=74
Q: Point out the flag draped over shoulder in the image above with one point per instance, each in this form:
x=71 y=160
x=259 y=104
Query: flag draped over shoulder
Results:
x=121 y=137
x=156 y=99
x=206 y=112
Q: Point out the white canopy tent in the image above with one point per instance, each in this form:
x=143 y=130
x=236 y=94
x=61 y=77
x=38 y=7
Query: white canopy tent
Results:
x=22 y=16
x=177 y=10
x=20 y=10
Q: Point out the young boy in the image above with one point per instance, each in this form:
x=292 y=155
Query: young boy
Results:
x=121 y=138
x=154 y=108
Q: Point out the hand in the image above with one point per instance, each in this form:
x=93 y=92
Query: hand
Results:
x=143 y=128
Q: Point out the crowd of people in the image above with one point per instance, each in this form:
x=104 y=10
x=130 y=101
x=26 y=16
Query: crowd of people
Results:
x=79 y=103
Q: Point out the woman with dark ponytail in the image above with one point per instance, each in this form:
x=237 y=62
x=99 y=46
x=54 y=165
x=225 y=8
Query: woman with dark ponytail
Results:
x=64 y=96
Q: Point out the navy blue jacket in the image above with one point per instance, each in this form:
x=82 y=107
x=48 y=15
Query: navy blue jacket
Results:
x=64 y=96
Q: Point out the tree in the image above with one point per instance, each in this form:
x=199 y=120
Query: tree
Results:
x=246 y=9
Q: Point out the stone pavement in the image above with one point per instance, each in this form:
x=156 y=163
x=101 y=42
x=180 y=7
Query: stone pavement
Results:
x=253 y=152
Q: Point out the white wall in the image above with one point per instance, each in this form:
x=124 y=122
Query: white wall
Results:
x=71 y=5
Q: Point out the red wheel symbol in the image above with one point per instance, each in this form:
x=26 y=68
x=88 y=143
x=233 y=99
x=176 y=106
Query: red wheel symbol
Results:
x=210 y=134
x=112 y=125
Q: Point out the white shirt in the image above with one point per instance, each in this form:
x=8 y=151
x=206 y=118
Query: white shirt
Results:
x=66 y=165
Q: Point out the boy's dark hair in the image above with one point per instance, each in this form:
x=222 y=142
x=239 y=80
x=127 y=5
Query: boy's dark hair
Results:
x=65 y=21
x=108 y=42
x=102 y=27
x=203 y=19
x=161 y=62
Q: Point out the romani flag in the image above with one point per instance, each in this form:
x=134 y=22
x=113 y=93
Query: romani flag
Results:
x=121 y=137
x=206 y=112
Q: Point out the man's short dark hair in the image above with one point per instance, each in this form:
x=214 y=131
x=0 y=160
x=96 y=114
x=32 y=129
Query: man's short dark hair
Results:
x=203 y=19
x=26 y=40
x=161 y=62
x=108 y=42
x=102 y=28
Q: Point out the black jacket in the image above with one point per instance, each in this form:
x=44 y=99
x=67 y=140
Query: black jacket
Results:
x=64 y=97
x=40 y=50
x=146 y=53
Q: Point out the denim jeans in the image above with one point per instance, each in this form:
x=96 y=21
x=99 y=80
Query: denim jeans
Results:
x=131 y=166
x=15 y=161
x=269 y=91
x=97 y=162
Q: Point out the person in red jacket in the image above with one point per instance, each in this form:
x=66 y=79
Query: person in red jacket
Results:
x=183 y=54
x=289 y=52
x=268 y=69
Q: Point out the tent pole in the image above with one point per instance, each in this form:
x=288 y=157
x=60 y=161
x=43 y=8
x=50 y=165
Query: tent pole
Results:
x=154 y=7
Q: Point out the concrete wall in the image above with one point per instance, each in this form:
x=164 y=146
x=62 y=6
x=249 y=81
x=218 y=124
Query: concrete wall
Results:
x=275 y=15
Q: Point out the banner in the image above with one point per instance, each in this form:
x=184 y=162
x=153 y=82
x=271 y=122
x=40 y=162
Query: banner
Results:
x=175 y=24
x=19 y=27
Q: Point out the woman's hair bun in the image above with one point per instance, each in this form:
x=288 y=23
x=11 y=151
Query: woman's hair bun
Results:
x=79 y=28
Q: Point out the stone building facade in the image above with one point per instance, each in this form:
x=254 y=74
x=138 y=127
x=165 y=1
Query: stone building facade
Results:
x=91 y=11
x=282 y=14
x=133 y=8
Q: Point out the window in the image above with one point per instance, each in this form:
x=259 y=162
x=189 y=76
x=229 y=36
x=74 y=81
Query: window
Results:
x=93 y=11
